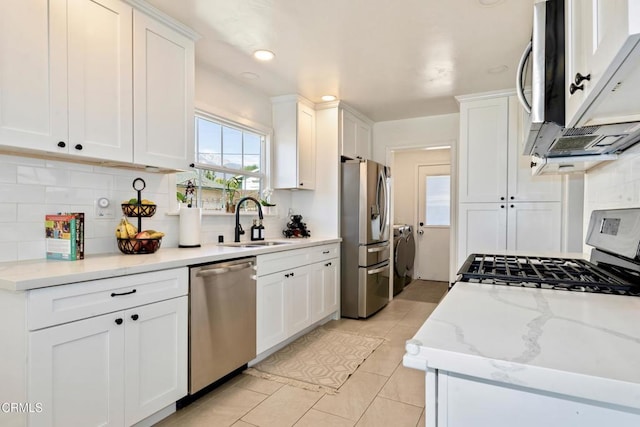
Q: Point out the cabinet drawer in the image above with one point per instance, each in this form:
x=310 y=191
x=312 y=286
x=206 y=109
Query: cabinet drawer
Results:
x=66 y=303
x=324 y=252
x=280 y=261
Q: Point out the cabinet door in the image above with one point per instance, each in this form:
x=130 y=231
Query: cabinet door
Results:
x=100 y=79
x=33 y=74
x=324 y=288
x=601 y=34
x=483 y=150
x=363 y=141
x=163 y=64
x=522 y=185
x=76 y=372
x=156 y=357
x=534 y=227
x=349 y=134
x=482 y=228
x=297 y=299
x=306 y=147
x=270 y=306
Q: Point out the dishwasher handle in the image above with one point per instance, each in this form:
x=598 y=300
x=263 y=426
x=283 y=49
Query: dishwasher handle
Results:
x=222 y=270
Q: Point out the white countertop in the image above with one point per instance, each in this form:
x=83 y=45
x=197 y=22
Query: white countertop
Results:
x=24 y=275
x=578 y=344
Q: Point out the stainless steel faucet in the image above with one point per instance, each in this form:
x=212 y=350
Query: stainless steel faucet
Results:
x=238 y=229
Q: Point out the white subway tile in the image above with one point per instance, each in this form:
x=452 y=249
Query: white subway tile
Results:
x=19 y=160
x=8 y=173
x=91 y=180
x=22 y=193
x=31 y=212
x=8 y=251
x=68 y=195
x=8 y=212
x=69 y=166
x=42 y=176
x=35 y=249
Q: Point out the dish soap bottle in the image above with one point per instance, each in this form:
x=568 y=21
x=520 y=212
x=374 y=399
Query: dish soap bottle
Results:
x=255 y=231
x=260 y=230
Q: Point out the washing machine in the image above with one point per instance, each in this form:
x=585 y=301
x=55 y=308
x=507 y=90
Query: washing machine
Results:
x=399 y=258
x=410 y=256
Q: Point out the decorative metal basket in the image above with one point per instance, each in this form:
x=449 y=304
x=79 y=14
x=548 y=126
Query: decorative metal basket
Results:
x=139 y=246
x=138 y=210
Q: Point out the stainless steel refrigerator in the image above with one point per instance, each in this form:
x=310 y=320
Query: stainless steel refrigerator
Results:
x=364 y=227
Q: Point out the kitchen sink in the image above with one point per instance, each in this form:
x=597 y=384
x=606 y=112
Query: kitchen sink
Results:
x=255 y=244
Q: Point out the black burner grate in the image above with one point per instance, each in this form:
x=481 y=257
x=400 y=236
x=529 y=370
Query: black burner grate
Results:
x=544 y=272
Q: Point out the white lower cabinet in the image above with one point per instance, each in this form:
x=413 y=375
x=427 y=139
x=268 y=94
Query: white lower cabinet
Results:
x=304 y=291
x=113 y=369
x=496 y=227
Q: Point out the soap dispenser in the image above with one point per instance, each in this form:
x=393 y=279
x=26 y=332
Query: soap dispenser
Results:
x=260 y=230
x=255 y=231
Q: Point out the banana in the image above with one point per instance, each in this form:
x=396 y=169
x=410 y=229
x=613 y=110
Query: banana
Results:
x=120 y=231
x=128 y=230
x=155 y=234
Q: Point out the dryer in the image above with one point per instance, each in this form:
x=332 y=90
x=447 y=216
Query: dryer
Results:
x=399 y=258
x=410 y=253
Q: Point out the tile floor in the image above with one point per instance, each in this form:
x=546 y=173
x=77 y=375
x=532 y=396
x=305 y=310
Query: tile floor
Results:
x=381 y=392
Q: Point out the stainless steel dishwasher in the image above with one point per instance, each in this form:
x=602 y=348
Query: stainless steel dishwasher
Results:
x=222 y=320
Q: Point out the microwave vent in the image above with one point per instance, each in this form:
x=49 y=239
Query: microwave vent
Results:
x=573 y=143
x=587 y=130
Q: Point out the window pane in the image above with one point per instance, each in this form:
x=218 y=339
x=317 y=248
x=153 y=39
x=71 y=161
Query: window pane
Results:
x=251 y=163
x=208 y=141
x=233 y=161
x=252 y=143
x=438 y=200
x=231 y=140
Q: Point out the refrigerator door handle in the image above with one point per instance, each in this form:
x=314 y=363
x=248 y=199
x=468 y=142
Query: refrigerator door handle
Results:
x=379 y=248
x=382 y=184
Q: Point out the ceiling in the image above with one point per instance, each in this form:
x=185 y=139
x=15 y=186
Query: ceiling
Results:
x=388 y=59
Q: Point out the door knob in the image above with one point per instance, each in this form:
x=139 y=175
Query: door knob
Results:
x=421 y=232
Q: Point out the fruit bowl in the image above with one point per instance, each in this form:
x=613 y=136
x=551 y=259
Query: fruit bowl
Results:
x=139 y=246
x=138 y=210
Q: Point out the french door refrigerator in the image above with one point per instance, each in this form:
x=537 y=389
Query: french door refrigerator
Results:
x=364 y=228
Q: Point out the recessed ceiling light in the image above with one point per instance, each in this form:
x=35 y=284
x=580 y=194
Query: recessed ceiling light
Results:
x=249 y=75
x=264 y=55
x=497 y=70
x=328 y=98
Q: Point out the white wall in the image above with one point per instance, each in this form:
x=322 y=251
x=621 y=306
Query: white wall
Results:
x=613 y=185
x=416 y=132
x=30 y=188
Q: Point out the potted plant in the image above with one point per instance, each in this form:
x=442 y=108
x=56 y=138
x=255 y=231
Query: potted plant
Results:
x=232 y=185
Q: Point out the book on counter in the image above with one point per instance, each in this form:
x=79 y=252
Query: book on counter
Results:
x=65 y=236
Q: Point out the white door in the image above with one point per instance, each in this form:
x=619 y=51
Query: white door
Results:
x=163 y=79
x=76 y=372
x=297 y=299
x=271 y=328
x=100 y=79
x=482 y=228
x=33 y=75
x=534 y=227
x=433 y=228
x=156 y=357
x=306 y=147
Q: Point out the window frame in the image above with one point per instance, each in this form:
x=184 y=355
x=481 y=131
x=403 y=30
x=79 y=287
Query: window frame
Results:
x=239 y=123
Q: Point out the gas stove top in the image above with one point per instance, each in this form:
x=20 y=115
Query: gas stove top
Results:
x=568 y=274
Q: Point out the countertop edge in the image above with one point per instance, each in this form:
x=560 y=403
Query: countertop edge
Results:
x=46 y=273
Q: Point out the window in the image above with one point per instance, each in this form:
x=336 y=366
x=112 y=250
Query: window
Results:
x=230 y=164
x=438 y=200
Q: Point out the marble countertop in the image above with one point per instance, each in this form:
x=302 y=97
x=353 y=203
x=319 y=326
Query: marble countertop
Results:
x=25 y=275
x=578 y=344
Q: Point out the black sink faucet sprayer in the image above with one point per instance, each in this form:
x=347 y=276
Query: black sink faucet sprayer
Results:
x=239 y=230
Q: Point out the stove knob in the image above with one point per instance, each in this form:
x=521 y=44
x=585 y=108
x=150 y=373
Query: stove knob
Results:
x=413 y=347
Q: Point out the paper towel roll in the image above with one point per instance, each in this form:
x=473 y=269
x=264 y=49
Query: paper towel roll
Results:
x=190 y=225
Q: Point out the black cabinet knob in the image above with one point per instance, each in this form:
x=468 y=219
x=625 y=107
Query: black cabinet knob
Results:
x=534 y=164
x=580 y=78
x=301 y=184
x=192 y=165
x=574 y=88
x=62 y=144
x=513 y=206
x=501 y=198
x=512 y=198
x=119 y=321
x=502 y=206
x=134 y=317
x=78 y=147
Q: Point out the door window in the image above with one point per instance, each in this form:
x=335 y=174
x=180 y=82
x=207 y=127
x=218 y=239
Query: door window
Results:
x=437 y=200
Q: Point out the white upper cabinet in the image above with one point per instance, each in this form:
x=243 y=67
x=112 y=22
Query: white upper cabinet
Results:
x=72 y=72
x=356 y=136
x=294 y=148
x=163 y=95
x=65 y=77
x=601 y=45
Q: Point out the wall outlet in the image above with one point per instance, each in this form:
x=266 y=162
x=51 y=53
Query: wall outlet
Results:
x=104 y=209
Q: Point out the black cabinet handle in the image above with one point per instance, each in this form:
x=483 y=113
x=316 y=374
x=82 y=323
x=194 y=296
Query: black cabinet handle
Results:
x=580 y=78
x=119 y=321
x=292 y=274
x=301 y=184
x=325 y=252
x=533 y=164
x=78 y=147
x=513 y=206
x=573 y=88
x=62 y=144
x=512 y=198
x=113 y=294
x=287 y=275
x=192 y=165
x=327 y=264
x=501 y=206
x=134 y=317
x=501 y=198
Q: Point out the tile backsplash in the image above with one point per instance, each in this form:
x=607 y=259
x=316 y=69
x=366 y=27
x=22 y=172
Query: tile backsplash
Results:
x=31 y=188
x=613 y=185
